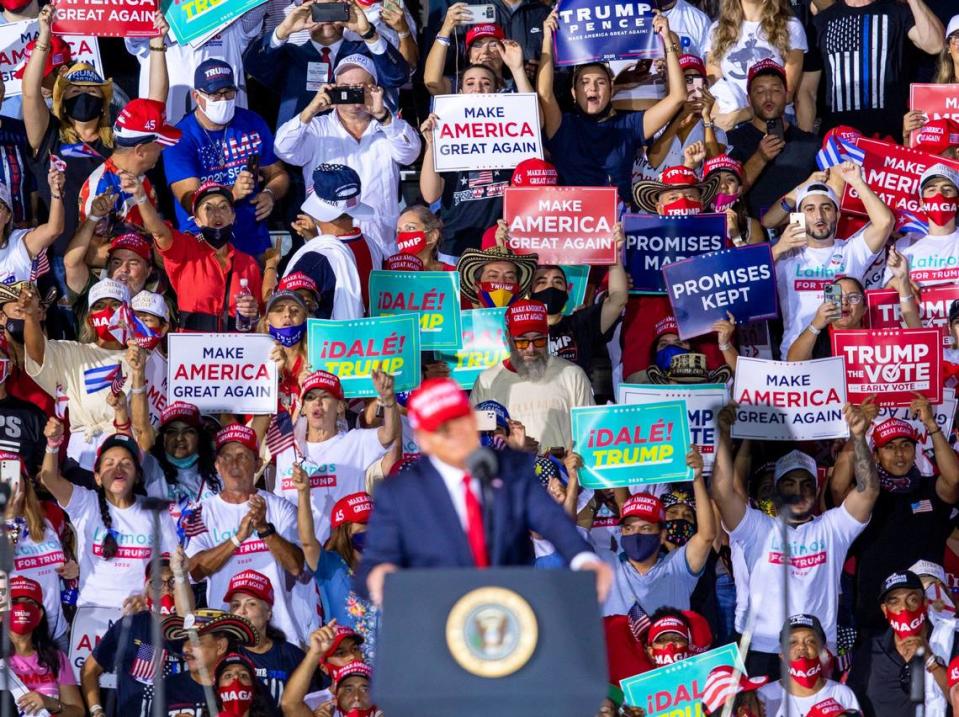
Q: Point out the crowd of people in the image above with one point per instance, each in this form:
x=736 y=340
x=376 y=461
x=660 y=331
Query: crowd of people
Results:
x=230 y=187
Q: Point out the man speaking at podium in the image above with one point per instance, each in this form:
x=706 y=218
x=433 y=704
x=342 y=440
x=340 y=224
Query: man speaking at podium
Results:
x=463 y=506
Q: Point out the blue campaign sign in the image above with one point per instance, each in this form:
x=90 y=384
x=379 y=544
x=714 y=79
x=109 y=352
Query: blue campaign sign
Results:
x=653 y=241
x=701 y=290
x=602 y=30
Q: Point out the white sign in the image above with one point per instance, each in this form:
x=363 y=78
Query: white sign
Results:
x=703 y=403
x=485 y=131
x=790 y=401
x=14 y=39
x=90 y=624
x=945 y=415
x=223 y=372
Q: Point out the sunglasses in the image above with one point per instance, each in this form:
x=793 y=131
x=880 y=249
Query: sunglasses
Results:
x=539 y=343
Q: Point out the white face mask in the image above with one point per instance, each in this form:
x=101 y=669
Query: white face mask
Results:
x=220 y=112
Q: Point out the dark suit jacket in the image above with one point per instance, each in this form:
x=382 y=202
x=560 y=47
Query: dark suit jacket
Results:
x=414 y=523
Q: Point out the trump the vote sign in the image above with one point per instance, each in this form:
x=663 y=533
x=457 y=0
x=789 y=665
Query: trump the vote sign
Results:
x=116 y=18
x=485 y=131
x=653 y=241
x=601 y=30
x=934 y=303
x=562 y=225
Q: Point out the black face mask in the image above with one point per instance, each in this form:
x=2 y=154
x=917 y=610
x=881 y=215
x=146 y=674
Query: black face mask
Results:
x=555 y=299
x=14 y=327
x=83 y=107
x=217 y=236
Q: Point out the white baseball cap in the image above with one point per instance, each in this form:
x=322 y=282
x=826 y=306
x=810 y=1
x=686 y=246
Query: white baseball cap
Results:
x=939 y=170
x=816 y=188
x=356 y=60
x=953 y=25
x=108 y=289
x=150 y=303
x=927 y=567
x=794 y=461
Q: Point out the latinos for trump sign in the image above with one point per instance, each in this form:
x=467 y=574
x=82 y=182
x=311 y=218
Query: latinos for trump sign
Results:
x=677 y=689
x=563 y=225
x=434 y=296
x=652 y=242
x=789 y=401
x=624 y=446
x=484 y=345
x=740 y=281
x=891 y=364
x=116 y=18
x=602 y=30
x=353 y=348
x=485 y=131
x=223 y=372
x=934 y=302
x=14 y=39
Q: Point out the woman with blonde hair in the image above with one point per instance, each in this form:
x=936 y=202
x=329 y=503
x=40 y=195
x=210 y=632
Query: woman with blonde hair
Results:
x=947 y=69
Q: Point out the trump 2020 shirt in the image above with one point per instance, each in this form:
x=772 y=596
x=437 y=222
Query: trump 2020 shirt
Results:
x=932 y=259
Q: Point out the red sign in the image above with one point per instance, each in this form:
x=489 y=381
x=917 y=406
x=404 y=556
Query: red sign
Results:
x=892 y=172
x=563 y=225
x=936 y=101
x=890 y=364
x=934 y=305
x=119 y=18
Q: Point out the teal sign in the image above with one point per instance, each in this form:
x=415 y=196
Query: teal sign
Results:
x=434 y=296
x=354 y=348
x=638 y=444
x=484 y=345
x=576 y=280
x=193 y=20
x=677 y=689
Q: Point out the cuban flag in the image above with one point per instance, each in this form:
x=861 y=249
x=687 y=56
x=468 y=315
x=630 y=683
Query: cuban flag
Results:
x=78 y=151
x=99 y=377
x=836 y=151
x=907 y=222
x=126 y=325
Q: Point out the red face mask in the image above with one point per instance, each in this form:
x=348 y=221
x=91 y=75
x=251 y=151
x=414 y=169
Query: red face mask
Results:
x=24 y=618
x=360 y=713
x=669 y=654
x=410 y=242
x=907 y=623
x=167 y=605
x=940 y=210
x=682 y=207
x=805 y=671
x=100 y=320
x=236 y=698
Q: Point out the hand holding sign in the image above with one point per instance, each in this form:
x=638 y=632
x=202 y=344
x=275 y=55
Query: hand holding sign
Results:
x=922 y=409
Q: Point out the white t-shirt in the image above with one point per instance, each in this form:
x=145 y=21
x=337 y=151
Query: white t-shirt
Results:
x=802 y=274
x=190 y=487
x=107 y=583
x=39 y=561
x=771 y=696
x=751 y=47
x=337 y=468
x=15 y=261
x=222 y=520
x=817 y=550
x=932 y=259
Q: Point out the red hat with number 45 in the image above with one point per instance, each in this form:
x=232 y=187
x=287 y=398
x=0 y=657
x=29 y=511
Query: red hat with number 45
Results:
x=322 y=381
x=890 y=430
x=58 y=55
x=534 y=172
x=237 y=433
x=645 y=506
x=252 y=583
x=353 y=508
x=525 y=317
x=142 y=121
x=436 y=401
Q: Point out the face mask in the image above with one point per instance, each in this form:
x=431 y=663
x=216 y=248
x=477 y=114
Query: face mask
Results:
x=805 y=671
x=167 y=605
x=236 y=698
x=639 y=547
x=492 y=440
x=682 y=207
x=100 y=320
x=940 y=210
x=664 y=357
x=360 y=713
x=14 y=327
x=358 y=540
x=183 y=463
x=679 y=531
x=898 y=484
x=555 y=299
x=219 y=112
x=83 y=107
x=24 y=618
x=724 y=201
x=669 y=654
x=494 y=294
x=217 y=236
x=288 y=335
x=410 y=242
x=907 y=623
x=147 y=343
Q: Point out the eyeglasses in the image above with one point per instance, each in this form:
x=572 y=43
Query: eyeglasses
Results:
x=523 y=344
x=853 y=299
x=225 y=94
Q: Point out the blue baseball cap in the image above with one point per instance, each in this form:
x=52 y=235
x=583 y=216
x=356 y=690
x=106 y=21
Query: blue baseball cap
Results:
x=335 y=191
x=213 y=75
x=502 y=415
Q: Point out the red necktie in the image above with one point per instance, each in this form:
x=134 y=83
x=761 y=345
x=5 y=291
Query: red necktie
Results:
x=325 y=57
x=474 y=524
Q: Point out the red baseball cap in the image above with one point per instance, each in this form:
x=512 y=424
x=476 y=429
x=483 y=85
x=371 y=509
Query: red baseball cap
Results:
x=350 y=669
x=534 y=172
x=59 y=54
x=766 y=66
x=526 y=316
x=827 y=708
x=723 y=163
x=666 y=325
x=23 y=587
x=131 y=241
x=842 y=131
x=692 y=62
x=679 y=176
x=403 y=262
x=353 y=508
x=436 y=401
x=252 y=583
x=296 y=281
x=180 y=411
x=645 y=506
x=342 y=633
x=699 y=631
x=237 y=433
x=206 y=189
x=142 y=121
x=668 y=624
x=322 y=381
x=487 y=29
x=937 y=135
x=890 y=430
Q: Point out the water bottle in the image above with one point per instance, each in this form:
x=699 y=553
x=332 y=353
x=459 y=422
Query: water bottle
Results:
x=244 y=323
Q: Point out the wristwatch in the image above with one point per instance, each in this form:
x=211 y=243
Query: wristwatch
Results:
x=269 y=530
x=933 y=662
x=369 y=33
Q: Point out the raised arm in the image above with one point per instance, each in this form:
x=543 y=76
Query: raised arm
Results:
x=881 y=219
x=431 y=183
x=299 y=683
x=36 y=115
x=859 y=502
x=436 y=83
x=617 y=287
x=139 y=401
x=928 y=33
x=60 y=488
x=700 y=545
x=552 y=114
x=389 y=432
x=304 y=518
x=660 y=113
x=75 y=257
x=159 y=88
x=898 y=266
x=732 y=505
x=37 y=240
x=152 y=221
x=947 y=484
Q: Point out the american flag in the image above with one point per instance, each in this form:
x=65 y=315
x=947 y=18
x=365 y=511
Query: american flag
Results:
x=481 y=179
x=60 y=404
x=845 y=642
x=190 y=523
x=279 y=436
x=859 y=49
x=145 y=663
x=638 y=620
x=39 y=267
x=116 y=385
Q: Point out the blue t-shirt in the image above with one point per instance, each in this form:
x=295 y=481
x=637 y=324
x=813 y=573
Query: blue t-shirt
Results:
x=221 y=156
x=588 y=153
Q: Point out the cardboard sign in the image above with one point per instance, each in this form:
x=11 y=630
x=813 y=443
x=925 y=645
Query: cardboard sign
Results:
x=576 y=281
x=434 y=296
x=632 y=445
x=353 y=348
x=936 y=101
x=14 y=39
x=602 y=30
x=891 y=364
x=223 y=372
x=703 y=403
x=934 y=302
x=90 y=624
x=945 y=416
x=652 y=242
x=789 y=401
x=484 y=345
x=677 y=689
x=118 y=18
x=562 y=225
x=195 y=20
x=485 y=131
x=739 y=281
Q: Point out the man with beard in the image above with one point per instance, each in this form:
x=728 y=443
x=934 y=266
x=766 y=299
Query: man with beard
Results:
x=538 y=389
x=809 y=257
x=817 y=544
